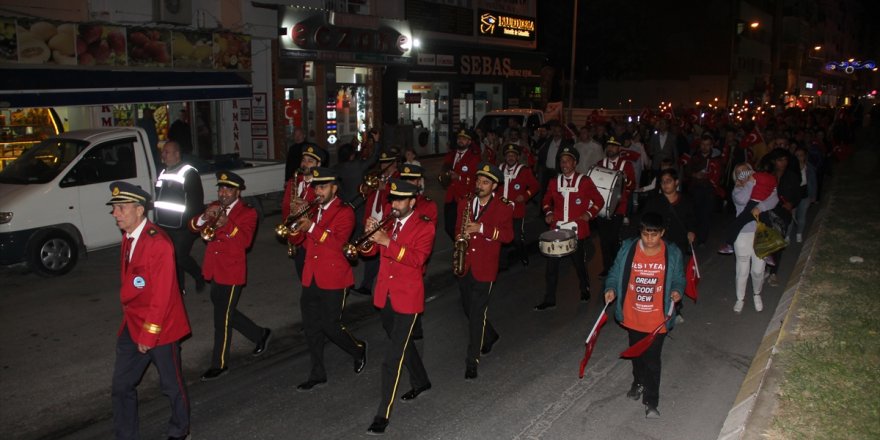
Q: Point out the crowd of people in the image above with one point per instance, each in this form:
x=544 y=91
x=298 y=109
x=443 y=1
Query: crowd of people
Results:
x=651 y=190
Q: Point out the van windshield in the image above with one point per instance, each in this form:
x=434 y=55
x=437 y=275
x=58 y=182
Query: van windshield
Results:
x=42 y=162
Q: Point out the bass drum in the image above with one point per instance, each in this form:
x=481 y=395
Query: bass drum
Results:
x=610 y=186
x=557 y=243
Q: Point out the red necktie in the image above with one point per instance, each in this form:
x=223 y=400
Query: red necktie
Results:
x=397 y=227
x=126 y=249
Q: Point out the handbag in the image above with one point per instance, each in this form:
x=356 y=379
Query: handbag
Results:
x=768 y=240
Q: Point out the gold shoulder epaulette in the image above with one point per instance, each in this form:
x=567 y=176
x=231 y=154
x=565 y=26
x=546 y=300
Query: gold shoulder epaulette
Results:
x=152 y=231
x=506 y=201
x=426 y=218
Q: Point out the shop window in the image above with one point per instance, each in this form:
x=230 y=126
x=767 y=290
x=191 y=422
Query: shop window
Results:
x=103 y=163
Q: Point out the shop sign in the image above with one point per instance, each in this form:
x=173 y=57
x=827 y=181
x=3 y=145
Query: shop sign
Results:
x=427 y=59
x=445 y=60
x=503 y=25
x=499 y=66
x=306 y=30
x=412 y=98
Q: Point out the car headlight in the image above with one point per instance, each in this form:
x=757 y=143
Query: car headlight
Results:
x=5 y=217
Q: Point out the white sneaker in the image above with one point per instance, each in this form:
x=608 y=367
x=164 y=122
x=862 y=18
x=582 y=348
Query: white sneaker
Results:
x=759 y=305
x=738 y=307
x=799 y=237
x=772 y=280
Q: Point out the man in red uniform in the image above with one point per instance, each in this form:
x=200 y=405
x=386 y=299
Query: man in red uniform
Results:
x=424 y=204
x=326 y=275
x=153 y=317
x=609 y=228
x=400 y=295
x=459 y=167
x=377 y=207
x=519 y=186
x=298 y=194
x=225 y=265
x=489 y=224
x=647 y=277
x=570 y=202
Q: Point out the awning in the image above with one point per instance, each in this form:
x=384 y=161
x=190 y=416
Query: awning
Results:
x=63 y=87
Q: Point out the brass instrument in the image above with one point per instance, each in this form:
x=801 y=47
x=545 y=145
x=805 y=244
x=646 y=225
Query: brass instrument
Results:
x=210 y=228
x=371 y=181
x=291 y=249
x=283 y=230
x=462 y=241
x=363 y=244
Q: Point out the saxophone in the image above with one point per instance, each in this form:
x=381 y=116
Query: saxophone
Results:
x=462 y=242
x=291 y=249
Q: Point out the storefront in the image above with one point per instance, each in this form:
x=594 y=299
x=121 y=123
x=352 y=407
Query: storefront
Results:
x=451 y=87
x=331 y=72
x=66 y=76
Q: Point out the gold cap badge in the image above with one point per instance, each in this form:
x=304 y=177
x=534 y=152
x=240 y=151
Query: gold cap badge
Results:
x=393 y=187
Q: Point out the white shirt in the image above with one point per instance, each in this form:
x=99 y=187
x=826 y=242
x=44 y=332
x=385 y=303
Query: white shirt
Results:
x=551 y=153
x=135 y=235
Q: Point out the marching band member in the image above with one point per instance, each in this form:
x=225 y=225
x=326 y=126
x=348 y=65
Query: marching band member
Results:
x=400 y=294
x=154 y=318
x=225 y=265
x=377 y=208
x=489 y=223
x=326 y=275
x=424 y=205
x=570 y=201
x=609 y=228
x=300 y=190
x=459 y=167
x=519 y=186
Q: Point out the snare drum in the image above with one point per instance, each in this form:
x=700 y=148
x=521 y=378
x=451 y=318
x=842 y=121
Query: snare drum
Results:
x=610 y=186
x=557 y=243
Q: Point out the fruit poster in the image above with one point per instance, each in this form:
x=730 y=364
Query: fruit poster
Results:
x=100 y=45
x=8 y=41
x=192 y=49
x=149 y=47
x=43 y=42
x=232 y=51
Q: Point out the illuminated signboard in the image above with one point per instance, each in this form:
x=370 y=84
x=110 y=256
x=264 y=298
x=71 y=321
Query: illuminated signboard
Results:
x=501 y=25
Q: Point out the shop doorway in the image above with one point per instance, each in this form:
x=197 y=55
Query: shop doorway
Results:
x=423 y=110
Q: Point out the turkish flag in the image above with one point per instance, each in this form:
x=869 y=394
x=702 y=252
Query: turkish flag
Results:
x=692 y=275
x=644 y=344
x=751 y=139
x=591 y=340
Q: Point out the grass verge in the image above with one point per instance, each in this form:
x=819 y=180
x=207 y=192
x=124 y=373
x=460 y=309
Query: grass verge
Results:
x=831 y=367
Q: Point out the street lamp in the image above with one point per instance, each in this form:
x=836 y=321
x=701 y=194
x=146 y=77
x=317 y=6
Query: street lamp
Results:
x=754 y=24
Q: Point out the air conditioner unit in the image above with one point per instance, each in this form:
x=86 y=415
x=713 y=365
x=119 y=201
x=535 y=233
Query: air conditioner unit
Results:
x=172 y=11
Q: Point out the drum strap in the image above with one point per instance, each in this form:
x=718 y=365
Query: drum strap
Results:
x=618 y=167
x=476 y=208
x=509 y=175
x=566 y=191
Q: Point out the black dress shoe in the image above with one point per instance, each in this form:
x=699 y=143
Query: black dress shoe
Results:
x=470 y=372
x=213 y=373
x=585 y=297
x=264 y=343
x=309 y=384
x=413 y=393
x=635 y=391
x=378 y=426
x=487 y=346
x=362 y=291
x=544 y=306
x=361 y=361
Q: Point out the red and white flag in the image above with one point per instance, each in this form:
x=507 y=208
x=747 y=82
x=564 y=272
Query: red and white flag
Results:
x=692 y=275
x=641 y=346
x=590 y=343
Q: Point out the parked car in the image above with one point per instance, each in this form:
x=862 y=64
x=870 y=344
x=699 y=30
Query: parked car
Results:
x=52 y=198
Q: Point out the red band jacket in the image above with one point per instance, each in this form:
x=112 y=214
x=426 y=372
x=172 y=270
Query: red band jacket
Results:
x=518 y=181
x=324 y=260
x=152 y=307
x=401 y=265
x=466 y=168
x=225 y=260
x=582 y=198
x=484 y=247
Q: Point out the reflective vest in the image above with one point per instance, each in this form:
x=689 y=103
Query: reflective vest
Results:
x=171 y=196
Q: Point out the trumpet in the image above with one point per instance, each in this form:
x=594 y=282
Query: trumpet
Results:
x=210 y=228
x=363 y=244
x=371 y=181
x=288 y=227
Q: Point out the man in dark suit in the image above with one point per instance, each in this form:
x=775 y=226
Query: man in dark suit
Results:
x=294 y=152
x=662 y=145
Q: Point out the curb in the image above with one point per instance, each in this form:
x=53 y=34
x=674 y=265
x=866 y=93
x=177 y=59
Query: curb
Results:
x=758 y=387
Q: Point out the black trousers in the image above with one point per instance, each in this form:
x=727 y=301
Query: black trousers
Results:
x=183 y=241
x=450 y=213
x=371 y=271
x=704 y=203
x=646 y=368
x=609 y=239
x=516 y=249
x=322 y=319
x=401 y=352
x=127 y=373
x=475 y=302
x=579 y=259
x=299 y=261
x=226 y=318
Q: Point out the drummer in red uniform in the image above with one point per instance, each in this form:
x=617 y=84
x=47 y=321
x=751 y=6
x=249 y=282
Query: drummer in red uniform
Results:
x=609 y=228
x=489 y=224
x=519 y=185
x=459 y=167
x=570 y=202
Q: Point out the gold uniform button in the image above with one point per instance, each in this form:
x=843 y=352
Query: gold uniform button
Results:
x=390 y=277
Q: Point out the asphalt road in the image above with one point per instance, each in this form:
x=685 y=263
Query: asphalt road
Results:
x=57 y=338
